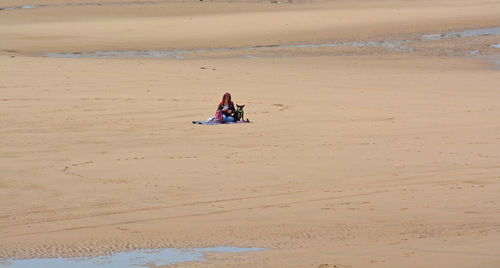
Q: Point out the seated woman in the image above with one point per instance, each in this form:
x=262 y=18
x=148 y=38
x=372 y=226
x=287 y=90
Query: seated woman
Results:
x=227 y=108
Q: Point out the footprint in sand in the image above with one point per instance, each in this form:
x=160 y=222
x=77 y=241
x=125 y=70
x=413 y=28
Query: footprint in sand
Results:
x=281 y=106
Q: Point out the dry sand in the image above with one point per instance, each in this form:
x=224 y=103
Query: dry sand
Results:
x=376 y=159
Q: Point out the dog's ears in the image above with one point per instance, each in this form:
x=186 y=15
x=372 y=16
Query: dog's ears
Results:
x=242 y=106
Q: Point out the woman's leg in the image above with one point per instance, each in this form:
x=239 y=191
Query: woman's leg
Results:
x=227 y=118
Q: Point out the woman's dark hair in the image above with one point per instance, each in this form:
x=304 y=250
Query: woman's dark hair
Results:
x=228 y=99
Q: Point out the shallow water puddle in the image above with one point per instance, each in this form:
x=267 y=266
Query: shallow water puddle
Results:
x=135 y=258
x=465 y=33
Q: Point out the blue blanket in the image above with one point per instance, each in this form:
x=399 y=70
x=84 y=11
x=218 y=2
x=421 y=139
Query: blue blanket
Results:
x=215 y=123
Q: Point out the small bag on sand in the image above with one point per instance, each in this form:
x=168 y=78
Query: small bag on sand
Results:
x=218 y=117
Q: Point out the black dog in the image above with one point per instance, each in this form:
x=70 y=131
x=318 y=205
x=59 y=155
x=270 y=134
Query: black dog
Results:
x=239 y=113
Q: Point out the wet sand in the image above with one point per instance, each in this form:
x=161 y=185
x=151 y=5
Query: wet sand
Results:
x=356 y=157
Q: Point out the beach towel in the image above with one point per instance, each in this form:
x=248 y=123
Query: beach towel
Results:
x=216 y=123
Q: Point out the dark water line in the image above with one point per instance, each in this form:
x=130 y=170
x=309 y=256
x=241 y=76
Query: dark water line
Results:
x=392 y=45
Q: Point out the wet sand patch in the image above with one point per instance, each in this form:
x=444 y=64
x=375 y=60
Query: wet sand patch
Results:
x=409 y=45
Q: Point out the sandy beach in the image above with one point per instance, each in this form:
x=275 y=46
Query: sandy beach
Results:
x=374 y=142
